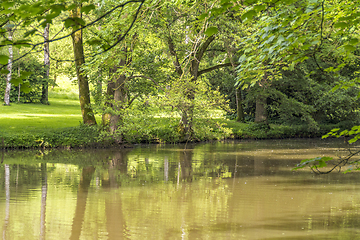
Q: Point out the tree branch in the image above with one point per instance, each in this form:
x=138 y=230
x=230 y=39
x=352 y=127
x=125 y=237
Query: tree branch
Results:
x=173 y=52
x=214 y=68
x=143 y=76
x=203 y=48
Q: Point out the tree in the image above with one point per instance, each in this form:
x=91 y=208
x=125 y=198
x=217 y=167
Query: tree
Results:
x=84 y=93
x=188 y=40
x=45 y=86
x=9 y=67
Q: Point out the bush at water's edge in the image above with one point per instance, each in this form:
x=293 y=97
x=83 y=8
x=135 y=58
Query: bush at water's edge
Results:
x=90 y=136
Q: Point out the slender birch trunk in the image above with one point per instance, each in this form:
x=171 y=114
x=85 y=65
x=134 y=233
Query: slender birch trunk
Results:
x=45 y=85
x=9 y=68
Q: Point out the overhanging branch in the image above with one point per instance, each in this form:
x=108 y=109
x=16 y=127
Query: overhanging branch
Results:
x=214 y=68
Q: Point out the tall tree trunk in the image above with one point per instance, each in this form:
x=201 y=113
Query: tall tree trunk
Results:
x=45 y=85
x=9 y=68
x=239 y=106
x=84 y=93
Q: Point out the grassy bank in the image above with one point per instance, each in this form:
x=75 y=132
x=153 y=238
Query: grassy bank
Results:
x=35 y=118
x=58 y=125
x=37 y=125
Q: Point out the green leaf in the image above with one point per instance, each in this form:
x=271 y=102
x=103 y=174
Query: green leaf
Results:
x=28 y=33
x=71 y=7
x=259 y=8
x=79 y=21
x=354 y=139
x=345 y=132
x=94 y=42
x=211 y=31
x=24 y=75
x=58 y=7
x=16 y=81
x=335 y=88
x=4 y=71
x=88 y=8
x=242 y=58
x=353 y=41
x=7 y=5
x=68 y=22
x=25 y=87
x=341 y=25
x=4 y=59
x=45 y=22
x=350 y=48
x=248 y=15
x=203 y=16
x=317 y=162
x=321 y=164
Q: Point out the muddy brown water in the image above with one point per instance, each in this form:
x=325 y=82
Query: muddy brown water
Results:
x=229 y=190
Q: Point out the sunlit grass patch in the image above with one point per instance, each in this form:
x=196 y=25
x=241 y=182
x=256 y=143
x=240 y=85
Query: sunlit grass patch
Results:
x=61 y=113
x=65 y=89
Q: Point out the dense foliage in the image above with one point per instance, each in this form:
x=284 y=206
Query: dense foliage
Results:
x=30 y=86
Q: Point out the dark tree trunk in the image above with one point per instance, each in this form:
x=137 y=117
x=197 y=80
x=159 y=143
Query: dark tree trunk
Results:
x=260 y=112
x=84 y=93
x=239 y=106
x=119 y=100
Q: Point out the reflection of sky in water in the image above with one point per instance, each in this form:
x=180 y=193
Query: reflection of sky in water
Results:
x=234 y=190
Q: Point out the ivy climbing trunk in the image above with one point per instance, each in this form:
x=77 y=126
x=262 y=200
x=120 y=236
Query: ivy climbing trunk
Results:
x=9 y=68
x=84 y=93
x=45 y=85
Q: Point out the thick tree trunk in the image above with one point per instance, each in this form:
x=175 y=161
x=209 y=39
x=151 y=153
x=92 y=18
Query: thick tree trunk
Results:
x=9 y=68
x=260 y=112
x=239 y=106
x=84 y=93
x=45 y=85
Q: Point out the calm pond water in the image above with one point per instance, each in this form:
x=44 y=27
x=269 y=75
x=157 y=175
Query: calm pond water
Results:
x=232 y=190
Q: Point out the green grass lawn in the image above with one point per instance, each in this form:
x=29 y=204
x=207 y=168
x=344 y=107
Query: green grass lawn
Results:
x=61 y=113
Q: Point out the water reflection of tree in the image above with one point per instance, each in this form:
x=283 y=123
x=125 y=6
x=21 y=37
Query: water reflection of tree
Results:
x=44 y=189
x=7 y=199
x=116 y=166
x=185 y=160
x=115 y=221
x=86 y=176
